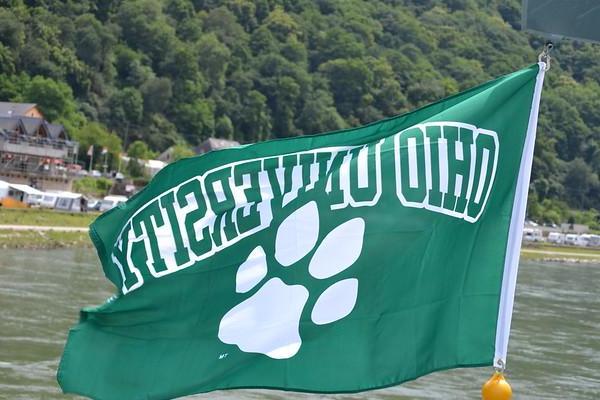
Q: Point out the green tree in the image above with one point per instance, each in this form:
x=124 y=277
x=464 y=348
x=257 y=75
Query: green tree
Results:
x=213 y=58
x=140 y=151
x=224 y=127
x=180 y=151
x=12 y=30
x=93 y=41
x=126 y=108
x=55 y=99
x=349 y=82
x=196 y=120
x=96 y=134
x=580 y=183
x=319 y=114
x=159 y=132
x=146 y=28
x=255 y=118
x=131 y=66
x=156 y=93
x=281 y=24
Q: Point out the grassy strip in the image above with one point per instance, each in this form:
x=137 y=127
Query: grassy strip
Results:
x=53 y=240
x=592 y=251
x=531 y=256
x=41 y=217
x=547 y=252
x=43 y=240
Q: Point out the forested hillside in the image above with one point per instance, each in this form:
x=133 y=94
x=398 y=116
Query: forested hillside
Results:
x=179 y=71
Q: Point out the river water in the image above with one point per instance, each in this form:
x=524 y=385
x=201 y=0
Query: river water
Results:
x=554 y=351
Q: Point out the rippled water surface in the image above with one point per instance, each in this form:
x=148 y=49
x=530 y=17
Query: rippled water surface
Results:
x=554 y=350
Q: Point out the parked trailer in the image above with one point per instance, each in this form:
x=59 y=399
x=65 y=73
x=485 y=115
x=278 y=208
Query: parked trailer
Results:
x=583 y=240
x=532 y=235
x=594 y=241
x=556 y=237
x=111 y=201
x=571 y=239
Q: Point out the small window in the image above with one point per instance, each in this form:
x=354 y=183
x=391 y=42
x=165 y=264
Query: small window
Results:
x=64 y=203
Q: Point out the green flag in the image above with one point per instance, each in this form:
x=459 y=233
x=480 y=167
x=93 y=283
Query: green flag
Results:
x=339 y=262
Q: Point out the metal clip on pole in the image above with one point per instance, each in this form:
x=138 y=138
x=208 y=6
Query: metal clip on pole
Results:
x=545 y=54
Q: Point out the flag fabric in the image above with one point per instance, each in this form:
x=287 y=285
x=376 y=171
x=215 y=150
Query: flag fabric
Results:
x=90 y=151
x=339 y=262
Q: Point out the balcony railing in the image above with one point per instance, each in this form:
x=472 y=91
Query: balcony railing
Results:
x=33 y=167
x=37 y=146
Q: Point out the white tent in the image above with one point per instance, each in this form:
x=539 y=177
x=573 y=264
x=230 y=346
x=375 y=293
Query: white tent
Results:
x=24 y=193
x=49 y=199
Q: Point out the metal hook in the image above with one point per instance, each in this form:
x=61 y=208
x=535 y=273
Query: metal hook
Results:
x=501 y=366
x=545 y=54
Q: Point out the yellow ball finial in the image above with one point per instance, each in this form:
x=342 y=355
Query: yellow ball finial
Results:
x=496 y=388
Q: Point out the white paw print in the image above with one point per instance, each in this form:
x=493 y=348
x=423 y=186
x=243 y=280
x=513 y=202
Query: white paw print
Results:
x=268 y=321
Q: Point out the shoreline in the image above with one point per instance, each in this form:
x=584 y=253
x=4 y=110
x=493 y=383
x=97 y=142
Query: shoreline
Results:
x=44 y=239
x=552 y=253
x=41 y=229
x=31 y=237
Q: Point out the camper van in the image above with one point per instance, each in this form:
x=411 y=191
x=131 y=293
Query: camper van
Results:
x=111 y=201
x=556 y=237
x=532 y=235
x=582 y=240
x=594 y=241
x=571 y=239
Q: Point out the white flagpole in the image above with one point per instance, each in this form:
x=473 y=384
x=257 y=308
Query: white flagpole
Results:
x=515 y=233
